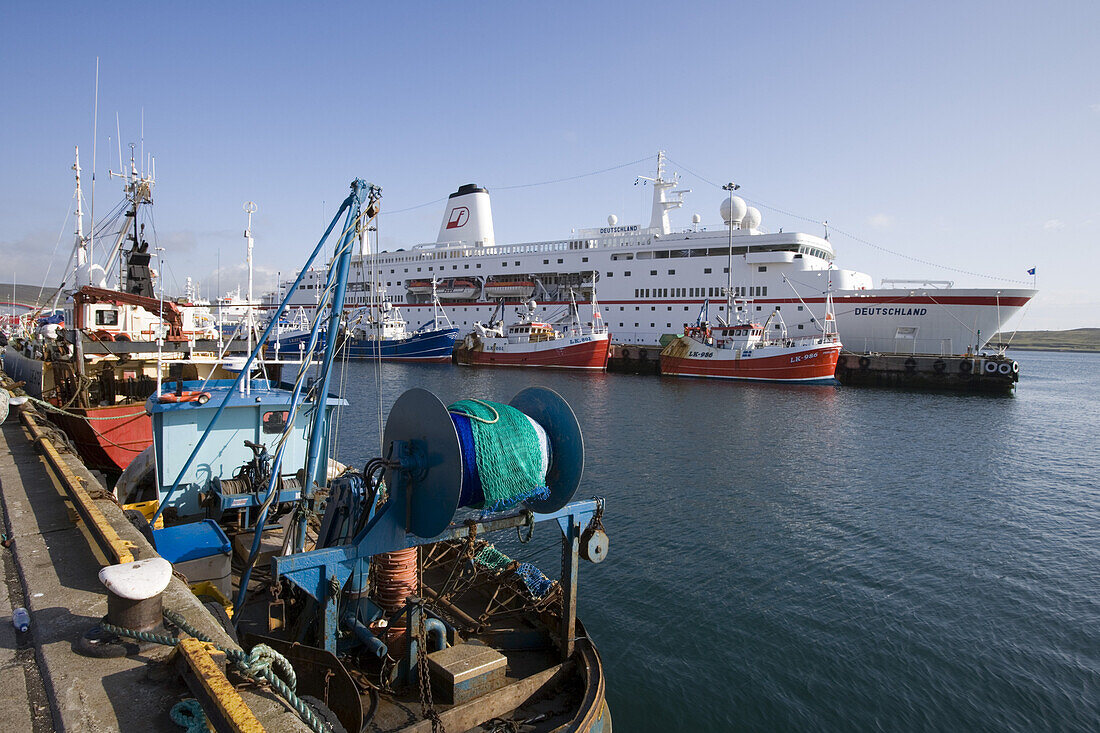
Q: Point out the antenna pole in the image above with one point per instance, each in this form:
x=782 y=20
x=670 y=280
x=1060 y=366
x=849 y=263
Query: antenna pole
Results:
x=731 y=187
x=250 y=209
x=95 y=134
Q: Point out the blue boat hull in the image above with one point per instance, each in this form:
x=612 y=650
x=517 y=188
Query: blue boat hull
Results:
x=429 y=346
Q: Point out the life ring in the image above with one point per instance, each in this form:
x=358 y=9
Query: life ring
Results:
x=939 y=366
x=1015 y=367
x=966 y=366
x=186 y=396
x=1005 y=368
x=990 y=367
x=864 y=362
x=910 y=364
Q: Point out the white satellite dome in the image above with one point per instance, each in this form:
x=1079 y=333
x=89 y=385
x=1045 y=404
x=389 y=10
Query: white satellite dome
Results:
x=735 y=213
x=751 y=220
x=695 y=218
x=612 y=220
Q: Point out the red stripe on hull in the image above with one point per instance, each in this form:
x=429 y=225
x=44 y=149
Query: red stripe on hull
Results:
x=108 y=445
x=821 y=367
x=591 y=355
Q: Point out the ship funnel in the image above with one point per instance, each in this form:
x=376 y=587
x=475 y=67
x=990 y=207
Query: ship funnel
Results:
x=468 y=217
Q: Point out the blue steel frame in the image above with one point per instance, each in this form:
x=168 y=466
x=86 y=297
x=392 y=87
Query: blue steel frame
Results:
x=323 y=573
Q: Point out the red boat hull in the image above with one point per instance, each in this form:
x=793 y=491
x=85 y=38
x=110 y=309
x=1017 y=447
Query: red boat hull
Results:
x=108 y=445
x=812 y=365
x=589 y=355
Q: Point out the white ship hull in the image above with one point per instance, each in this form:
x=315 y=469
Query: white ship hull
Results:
x=652 y=281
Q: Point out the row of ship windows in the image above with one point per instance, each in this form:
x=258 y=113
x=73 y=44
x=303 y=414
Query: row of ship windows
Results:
x=443 y=268
x=592 y=244
x=758 y=291
x=651 y=325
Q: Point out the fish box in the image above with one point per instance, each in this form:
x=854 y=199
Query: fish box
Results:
x=466 y=671
x=199 y=550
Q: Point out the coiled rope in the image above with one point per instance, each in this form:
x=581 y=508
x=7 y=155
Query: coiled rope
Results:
x=188 y=715
x=257 y=665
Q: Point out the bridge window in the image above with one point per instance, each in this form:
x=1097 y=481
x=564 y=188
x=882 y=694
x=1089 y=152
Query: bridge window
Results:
x=706 y=270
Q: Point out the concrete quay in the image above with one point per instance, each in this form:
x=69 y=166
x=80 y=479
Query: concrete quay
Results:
x=51 y=568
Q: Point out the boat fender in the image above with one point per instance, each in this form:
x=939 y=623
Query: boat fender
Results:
x=966 y=366
x=1005 y=368
x=910 y=364
x=939 y=366
x=990 y=367
x=186 y=396
x=864 y=362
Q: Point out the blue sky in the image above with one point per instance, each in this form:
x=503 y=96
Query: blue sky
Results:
x=962 y=134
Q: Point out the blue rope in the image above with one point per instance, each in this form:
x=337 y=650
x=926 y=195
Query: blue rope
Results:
x=472 y=493
x=188 y=714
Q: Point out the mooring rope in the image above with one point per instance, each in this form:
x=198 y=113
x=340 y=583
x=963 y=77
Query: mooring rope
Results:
x=256 y=665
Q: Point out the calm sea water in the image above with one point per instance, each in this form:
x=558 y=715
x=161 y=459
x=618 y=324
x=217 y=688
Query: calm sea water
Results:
x=823 y=558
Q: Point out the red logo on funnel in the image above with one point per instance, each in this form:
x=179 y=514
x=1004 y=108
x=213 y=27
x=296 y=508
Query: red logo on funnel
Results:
x=459 y=216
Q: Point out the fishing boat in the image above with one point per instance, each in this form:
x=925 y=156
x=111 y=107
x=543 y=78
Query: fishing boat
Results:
x=377 y=331
x=96 y=374
x=388 y=597
x=530 y=342
x=750 y=350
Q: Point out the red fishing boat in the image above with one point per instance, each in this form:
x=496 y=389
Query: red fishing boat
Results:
x=532 y=343
x=754 y=351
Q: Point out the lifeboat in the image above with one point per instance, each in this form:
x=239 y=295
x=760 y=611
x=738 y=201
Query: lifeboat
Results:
x=457 y=290
x=522 y=289
x=420 y=287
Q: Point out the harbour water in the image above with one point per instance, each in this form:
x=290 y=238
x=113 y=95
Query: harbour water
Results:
x=823 y=558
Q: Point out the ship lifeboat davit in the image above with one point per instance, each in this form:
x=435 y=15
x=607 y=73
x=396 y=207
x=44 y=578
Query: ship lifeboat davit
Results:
x=457 y=290
x=522 y=289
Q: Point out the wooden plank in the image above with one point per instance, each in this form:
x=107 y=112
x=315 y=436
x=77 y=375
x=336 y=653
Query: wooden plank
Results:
x=493 y=705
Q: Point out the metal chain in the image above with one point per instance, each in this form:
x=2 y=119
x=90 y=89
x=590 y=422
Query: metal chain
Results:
x=529 y=523
x=427 y=706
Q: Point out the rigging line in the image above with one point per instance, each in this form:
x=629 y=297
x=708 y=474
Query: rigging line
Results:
x=849 y=235
x=926 y=262
x=529 y=185
x=413 y=208
x=49 y=263
x=961 y=323
x=572 y=178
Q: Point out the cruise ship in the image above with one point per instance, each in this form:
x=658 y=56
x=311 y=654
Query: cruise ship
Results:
x=652 y=280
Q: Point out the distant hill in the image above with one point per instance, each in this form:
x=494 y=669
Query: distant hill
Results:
x=1077 y=339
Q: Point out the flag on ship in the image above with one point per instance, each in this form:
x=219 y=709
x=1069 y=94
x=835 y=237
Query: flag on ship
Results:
x=1031 y=271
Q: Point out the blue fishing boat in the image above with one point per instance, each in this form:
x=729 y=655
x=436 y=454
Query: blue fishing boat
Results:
x=378 y=332
x=380 y=586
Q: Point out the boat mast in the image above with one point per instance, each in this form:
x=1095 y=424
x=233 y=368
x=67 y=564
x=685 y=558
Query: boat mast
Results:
x=95 y=134
x=250 y=209
x=731 y=187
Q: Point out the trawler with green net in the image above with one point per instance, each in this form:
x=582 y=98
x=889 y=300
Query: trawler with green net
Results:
x=386 y=598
